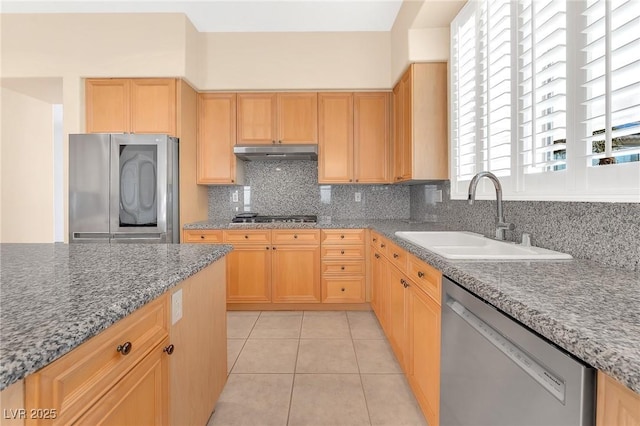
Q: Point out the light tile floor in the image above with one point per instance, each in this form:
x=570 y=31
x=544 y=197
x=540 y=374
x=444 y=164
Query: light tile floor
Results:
x=312 y=368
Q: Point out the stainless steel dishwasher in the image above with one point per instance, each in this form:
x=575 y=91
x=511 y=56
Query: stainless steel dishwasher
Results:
x=495 y=371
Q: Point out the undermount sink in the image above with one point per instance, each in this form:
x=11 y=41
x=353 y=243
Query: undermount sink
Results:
x=469 y=245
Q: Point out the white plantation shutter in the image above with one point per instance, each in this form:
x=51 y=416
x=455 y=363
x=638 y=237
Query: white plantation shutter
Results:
x=541 y=90
x=610 y=45
x=495 y=62
x=543 y=85
x=463 y=99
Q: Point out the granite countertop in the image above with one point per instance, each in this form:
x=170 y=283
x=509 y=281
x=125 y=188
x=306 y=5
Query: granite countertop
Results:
x=53 y=297
x=588 y=309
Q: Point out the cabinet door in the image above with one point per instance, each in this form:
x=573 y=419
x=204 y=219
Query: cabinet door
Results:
x=198 y=365
x=617 y=404
x=296 y=273
x=407 y=126
x=397 y=307
x=140 y=398
x=107 y=105
x=257 y=118
x=423 y=360
x=378 y=281
x=298 y=118
x=249 y=274
x=335 y=148
x=153 y=105
x=371 y=137
x=216 y=138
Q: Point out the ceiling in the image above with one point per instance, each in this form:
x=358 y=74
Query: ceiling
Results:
x=241 y=15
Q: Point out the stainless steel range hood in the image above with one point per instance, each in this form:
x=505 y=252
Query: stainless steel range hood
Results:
x=276 y=152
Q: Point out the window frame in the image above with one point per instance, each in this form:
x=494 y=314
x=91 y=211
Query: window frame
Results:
x=578 y=182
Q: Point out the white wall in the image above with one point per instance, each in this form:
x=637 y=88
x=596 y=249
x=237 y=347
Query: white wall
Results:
x=429 y=44
x=400 y=37
x=277 y=61
x=27 y=186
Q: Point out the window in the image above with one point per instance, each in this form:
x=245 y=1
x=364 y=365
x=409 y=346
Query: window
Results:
x=546 y=95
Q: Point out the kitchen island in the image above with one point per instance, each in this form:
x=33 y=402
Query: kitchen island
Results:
x=588 y=309
x=56 y=298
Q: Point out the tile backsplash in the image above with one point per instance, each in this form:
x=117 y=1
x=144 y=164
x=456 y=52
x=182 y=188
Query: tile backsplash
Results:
x=291 y=187
x=605 y=232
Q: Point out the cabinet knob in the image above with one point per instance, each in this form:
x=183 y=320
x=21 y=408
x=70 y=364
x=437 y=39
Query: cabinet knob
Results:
x=420 y=274
x=342 y=268
x=295 y=235
x=273 y=142
x=125 y=348
x=356 y=180
x=232 y=181
x=382 y=245
x=404 y=283
x=377 y=256
x=202 y=237
x=273 y=248
x=350 y=180
x=375 y=239
x=279 y=141
x=267 y=248
x=396 y=255
x=342 y=289
x=341 y=251
x=246 y=237
x=168 y=349
x=342 y=237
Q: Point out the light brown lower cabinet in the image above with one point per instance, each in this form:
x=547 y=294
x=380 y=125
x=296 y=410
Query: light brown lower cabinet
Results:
x=343 y=266
x=617 y=405
x=144 y=369
x=410 y=316
x=296 y=273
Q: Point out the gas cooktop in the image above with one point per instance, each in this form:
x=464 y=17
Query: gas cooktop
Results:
x=243 y=218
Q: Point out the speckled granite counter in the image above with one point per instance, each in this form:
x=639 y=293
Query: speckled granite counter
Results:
x=53 y=297
x=586 y=308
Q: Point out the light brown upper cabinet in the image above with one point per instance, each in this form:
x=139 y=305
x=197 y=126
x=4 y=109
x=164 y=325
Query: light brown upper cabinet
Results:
x=371 y=137
x=138 y=105
x=217 y=163
x=286 y=118
x=335 y=148
x=420 y=140
x=354 y=138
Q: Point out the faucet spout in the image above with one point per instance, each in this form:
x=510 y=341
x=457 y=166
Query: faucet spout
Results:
x=501 y=225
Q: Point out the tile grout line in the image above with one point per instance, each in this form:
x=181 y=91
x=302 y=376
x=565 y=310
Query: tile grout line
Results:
x=295 y=369
x=243 y=344
x=355 y=353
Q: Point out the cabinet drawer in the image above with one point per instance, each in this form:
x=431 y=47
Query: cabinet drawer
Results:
x=344 y=268
x=210 y=236
x=379 y=242
x=343 y=236
x=342 y=252
x=248 y=237
x=296 y=236
x=424 y=276
x=74 y=382
x=343 y=290
x=397 y=256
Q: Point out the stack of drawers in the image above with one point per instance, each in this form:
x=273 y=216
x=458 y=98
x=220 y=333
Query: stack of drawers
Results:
x=343 y=266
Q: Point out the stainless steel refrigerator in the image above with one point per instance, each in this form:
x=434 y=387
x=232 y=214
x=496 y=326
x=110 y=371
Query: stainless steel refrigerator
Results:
x=123 y=188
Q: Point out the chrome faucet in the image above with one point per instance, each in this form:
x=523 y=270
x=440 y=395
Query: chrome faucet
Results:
x=501 y=225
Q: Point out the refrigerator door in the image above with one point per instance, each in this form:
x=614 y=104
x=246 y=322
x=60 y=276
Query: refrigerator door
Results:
x=89 y=188
x=139 y=186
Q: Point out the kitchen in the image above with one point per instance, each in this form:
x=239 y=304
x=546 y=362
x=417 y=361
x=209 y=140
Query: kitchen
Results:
x=367 y=61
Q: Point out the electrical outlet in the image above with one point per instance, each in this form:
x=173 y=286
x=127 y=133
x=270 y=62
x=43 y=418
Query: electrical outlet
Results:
x=358 y=197
x=234 y=196
x=176 y=306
